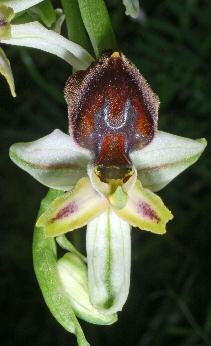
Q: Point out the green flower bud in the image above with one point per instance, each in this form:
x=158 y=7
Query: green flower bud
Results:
x=73 y=273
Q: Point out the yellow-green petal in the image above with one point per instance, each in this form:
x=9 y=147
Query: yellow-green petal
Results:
x=145 y=210
x=72 y=210
x=6 y=71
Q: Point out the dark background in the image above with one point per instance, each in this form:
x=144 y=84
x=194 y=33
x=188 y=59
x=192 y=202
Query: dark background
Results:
x=170 y=295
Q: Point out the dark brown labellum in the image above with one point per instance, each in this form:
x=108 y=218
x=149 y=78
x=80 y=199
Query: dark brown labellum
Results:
x=112 y=110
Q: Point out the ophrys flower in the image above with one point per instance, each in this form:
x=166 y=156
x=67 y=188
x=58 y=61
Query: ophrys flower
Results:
x=110 y=165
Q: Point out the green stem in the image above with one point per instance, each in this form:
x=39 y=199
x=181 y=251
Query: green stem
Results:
x=75 y=27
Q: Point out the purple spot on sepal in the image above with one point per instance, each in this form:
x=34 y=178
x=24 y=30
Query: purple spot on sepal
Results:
x=70 y=209
x=145 y=210
x=2 y=22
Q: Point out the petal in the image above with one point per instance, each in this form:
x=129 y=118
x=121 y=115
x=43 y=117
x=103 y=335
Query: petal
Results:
x=6 y=71
x=132 y=8
x=108 y=247
x=72 y=210
x=73 y=274
x=37 y=36
x=164 y=158
x=54 y=160
x=144 y=209
x=20 y=5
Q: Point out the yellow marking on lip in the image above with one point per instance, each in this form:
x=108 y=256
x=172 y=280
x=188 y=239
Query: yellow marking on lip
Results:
x=115 y=55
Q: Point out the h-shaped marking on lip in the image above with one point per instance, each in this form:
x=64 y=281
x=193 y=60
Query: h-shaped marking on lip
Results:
x=125 y=115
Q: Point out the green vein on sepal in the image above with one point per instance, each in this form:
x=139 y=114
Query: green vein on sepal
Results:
x=108 y=267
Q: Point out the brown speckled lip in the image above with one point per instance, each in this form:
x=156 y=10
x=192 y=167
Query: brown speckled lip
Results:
x=112 y=109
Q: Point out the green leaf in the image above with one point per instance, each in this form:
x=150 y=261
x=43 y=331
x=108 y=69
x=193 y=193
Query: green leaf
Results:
x=45 y=266
x=98 y=25
x=6 y=71
x=75 y=27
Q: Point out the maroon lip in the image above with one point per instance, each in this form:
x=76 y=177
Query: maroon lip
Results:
x=112 y=110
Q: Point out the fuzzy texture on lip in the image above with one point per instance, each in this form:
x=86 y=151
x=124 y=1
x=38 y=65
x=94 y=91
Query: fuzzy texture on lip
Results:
x=111 y=106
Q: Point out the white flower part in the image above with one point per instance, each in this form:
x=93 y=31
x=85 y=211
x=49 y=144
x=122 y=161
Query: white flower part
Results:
x=54 y=160
x=132 y=8
x=108 y=245
x=164 y=158
x=73 y=274
x=35 y=35
x=20 y=5
x=60 y=18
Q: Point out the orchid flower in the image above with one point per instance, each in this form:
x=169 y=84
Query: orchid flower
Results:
x=36 y=35
x=109 y=168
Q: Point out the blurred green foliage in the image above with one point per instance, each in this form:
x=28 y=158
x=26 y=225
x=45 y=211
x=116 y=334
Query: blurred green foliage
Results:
x=170 y=296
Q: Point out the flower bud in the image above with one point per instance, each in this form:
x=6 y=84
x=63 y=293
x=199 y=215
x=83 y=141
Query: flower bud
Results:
x=73 y=273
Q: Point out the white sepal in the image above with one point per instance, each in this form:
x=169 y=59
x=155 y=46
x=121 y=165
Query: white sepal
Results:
x=73 y=274
x=54 y=160
x=108 y=245
x=164 y=158
x=35 y=35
